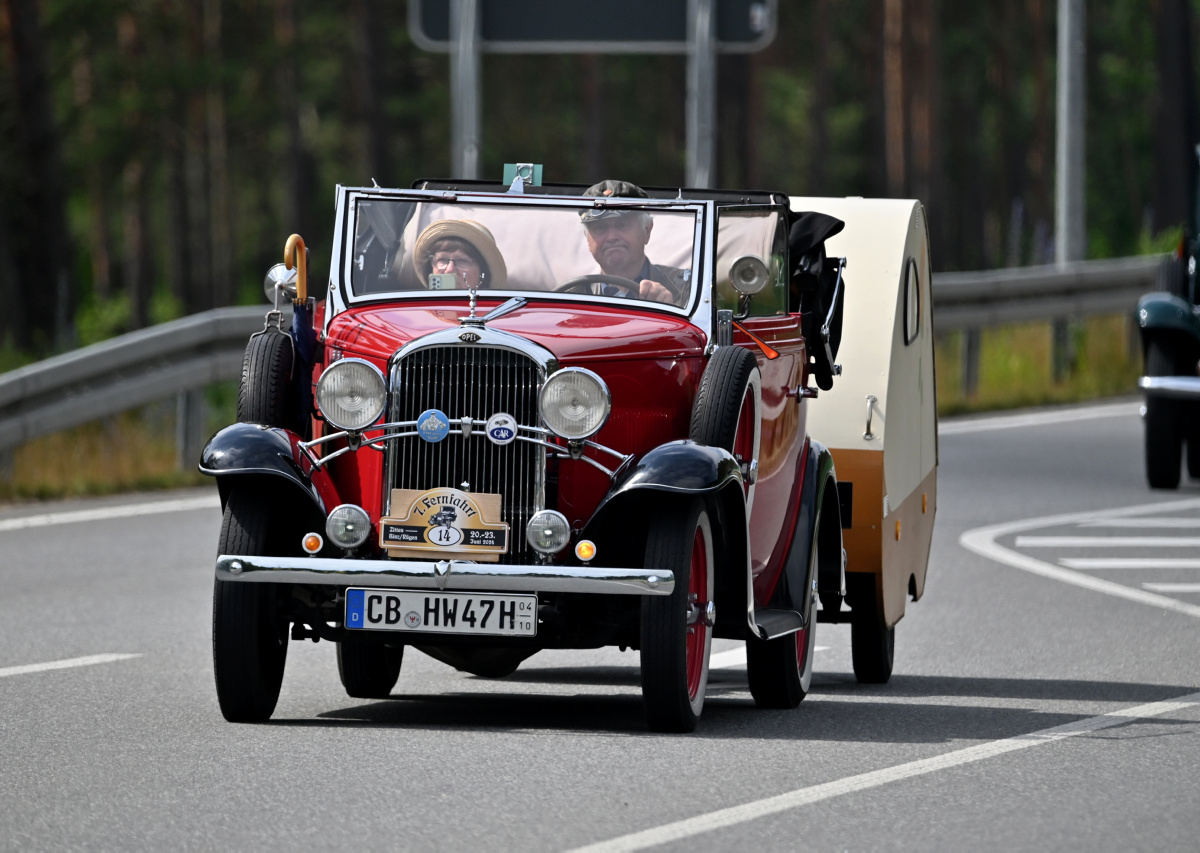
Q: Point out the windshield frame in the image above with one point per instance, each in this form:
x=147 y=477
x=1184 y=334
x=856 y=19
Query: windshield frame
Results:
x=342 y=297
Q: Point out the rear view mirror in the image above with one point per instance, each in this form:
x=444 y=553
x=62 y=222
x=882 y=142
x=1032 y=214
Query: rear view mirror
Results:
x=280 y=285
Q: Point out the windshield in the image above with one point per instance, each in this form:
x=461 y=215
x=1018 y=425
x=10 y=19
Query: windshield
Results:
x=623 y=253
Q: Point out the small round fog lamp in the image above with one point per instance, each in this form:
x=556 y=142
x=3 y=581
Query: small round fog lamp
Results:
x=348 y=526
x=548 y=531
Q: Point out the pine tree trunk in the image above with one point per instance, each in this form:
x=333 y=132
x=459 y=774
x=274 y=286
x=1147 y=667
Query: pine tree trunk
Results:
x=218 y=157
x=46 y=305
x=893 y=95
x=1177 y=128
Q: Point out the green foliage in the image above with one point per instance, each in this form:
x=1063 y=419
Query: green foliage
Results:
x=1014 y=366
x=99 y=319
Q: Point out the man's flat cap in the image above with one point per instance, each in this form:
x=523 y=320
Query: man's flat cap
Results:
x=611 y=189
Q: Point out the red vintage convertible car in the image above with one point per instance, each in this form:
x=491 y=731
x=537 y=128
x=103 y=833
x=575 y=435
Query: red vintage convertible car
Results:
x=541 y=417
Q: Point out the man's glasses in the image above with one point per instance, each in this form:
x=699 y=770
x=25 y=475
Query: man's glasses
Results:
x=441 y=263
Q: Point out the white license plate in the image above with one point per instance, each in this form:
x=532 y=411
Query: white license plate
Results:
x=430 y=611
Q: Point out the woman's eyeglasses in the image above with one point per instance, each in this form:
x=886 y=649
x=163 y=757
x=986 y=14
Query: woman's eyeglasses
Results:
x=441 y=263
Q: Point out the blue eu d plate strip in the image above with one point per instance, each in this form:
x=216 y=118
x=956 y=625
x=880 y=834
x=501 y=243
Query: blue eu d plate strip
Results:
x=354 y=608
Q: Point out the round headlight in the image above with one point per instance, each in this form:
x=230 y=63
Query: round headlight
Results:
x=548 y=531
x=351 y=394
x=575 y=403
x=348 y=526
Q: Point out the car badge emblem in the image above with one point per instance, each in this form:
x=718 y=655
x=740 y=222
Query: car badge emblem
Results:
x=433 y=425
x=441 y=570
x=468 y=337
x=501 y=429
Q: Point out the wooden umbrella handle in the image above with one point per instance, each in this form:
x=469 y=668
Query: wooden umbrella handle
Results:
x=295 y=256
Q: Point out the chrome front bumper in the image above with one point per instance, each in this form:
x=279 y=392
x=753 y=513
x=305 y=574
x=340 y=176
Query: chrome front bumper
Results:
x=444 y=574
x=1179 y=387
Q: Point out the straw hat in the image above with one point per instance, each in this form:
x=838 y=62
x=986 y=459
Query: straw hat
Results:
x=469 y=231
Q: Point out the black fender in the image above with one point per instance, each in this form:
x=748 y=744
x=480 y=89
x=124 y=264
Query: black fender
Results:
x=819 y=528
x=252 y=450
x=681 y=468
x=1160 y=313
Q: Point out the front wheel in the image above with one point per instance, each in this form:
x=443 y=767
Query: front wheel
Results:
x=250 y=635
x=677 y=628
x=1164 y=431
x=780 y=670
x=368 y=669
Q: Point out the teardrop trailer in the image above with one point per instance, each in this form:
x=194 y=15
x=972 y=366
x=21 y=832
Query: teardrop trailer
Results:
x=627 y=457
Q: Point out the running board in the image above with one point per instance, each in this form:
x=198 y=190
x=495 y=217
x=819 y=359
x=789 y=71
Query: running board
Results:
x=777 y=623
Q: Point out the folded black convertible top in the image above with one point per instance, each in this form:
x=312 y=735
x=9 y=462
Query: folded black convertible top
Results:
x=719 y=196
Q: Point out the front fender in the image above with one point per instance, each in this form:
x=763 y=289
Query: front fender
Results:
x=683 y=468
x=251 y=450
x=1164 y=312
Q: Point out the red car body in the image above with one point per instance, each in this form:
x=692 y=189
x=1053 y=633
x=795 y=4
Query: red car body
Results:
x=759 y=500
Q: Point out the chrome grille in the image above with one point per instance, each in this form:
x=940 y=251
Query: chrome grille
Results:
x=476 y=381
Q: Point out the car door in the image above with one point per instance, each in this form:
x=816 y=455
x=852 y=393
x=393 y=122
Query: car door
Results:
x=763 y=325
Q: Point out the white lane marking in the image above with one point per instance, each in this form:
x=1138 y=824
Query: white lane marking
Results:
x=68 y=663
x=1148 y=523
x=104 y=513
x=959 y=427
x=737 y=657
x=732 y=657
x=1108 y=541
x=724 y=818
x=1173 y=587
x=1090 y=563
x=982 y=541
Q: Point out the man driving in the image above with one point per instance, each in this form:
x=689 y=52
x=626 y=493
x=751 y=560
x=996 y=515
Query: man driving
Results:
x=617 y=239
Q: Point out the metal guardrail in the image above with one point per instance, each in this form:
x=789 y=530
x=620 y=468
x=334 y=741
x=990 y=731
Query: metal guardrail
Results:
x=967 y=300
x=125 y=372
x=183 y=356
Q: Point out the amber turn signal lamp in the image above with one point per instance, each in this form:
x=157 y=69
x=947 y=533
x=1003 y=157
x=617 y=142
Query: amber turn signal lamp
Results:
x=585 y=550
x=312 y=543
x=897 y=531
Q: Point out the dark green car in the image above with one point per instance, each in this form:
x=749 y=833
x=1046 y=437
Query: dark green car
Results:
x=1169 y=320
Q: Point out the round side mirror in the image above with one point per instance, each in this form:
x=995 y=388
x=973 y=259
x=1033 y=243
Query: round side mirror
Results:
x=749 y=275
x=280 y=285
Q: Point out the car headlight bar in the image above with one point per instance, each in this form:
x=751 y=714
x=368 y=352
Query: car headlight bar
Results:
x=467 y=428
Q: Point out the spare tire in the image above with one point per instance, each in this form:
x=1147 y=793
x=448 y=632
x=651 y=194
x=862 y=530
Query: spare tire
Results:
x=728 y=410
x=265 y=395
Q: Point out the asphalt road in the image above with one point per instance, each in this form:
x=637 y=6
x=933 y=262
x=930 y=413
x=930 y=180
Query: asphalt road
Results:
x=1038 y=701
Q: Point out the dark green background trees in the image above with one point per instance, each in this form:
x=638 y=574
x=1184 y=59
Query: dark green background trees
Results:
x=154 y=154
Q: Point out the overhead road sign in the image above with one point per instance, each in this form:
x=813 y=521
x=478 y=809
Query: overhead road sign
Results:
x=588 y=26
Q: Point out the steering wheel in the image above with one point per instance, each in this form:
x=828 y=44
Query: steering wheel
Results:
x=578 y=283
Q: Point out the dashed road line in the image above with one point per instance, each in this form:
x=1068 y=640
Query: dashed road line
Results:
x=109 y=512
x=68 y=663
x=982 y=541
x=724 y=818
x=1108 y=541
x=1147 y=523
x=1173 y=587
x=1086 y=413
x=1091 y=563
x=737 y=657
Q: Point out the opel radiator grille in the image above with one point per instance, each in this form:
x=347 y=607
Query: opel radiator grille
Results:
x=479 y=382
